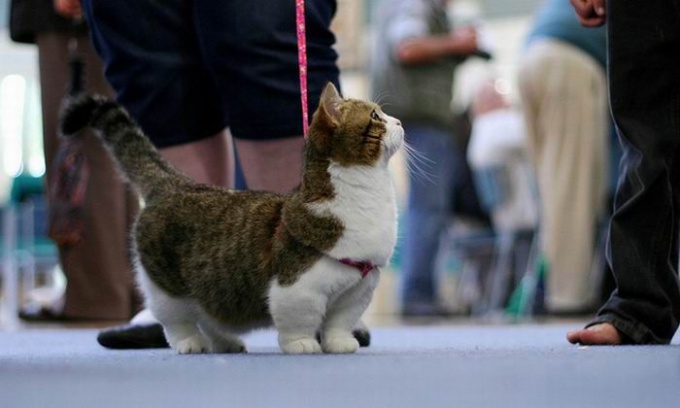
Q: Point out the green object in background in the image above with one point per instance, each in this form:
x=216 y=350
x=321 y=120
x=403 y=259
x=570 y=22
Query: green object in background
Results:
x=523 y=298
x=24 y=186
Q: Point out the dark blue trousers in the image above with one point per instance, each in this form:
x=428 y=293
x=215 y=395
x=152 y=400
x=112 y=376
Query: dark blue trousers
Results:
x=185 y=69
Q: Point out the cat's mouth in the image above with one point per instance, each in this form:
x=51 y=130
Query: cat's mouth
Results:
x=394 y=139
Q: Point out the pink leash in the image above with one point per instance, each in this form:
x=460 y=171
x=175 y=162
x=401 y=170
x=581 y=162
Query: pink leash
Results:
x=364 y=267
x=302 y=61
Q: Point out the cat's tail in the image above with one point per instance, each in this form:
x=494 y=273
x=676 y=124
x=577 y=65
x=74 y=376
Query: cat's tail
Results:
x=136 y=156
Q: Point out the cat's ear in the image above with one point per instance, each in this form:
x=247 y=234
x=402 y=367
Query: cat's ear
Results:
x=329 y=104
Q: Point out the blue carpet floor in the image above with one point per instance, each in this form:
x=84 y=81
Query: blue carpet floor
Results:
x=419 y=367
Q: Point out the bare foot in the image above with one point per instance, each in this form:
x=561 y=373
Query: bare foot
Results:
x=598 y=335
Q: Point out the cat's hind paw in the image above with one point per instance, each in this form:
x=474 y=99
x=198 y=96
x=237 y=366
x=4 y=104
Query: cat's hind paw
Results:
x=191 y=345
x=340 y=345
x=301 y=346
x=230 y=346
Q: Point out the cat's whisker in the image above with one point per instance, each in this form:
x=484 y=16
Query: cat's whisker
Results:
x=417 y=164
x=378 y=98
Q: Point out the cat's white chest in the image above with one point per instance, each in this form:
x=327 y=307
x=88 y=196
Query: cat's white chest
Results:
x=365 y=202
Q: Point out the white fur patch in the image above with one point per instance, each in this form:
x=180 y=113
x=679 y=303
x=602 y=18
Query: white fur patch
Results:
x=365 y=202
x=328 y=298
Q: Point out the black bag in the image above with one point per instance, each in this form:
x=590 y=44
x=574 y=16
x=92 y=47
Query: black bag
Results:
x=27 y=18
x=21 y=21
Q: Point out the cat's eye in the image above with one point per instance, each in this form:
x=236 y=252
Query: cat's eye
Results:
x=375 y=115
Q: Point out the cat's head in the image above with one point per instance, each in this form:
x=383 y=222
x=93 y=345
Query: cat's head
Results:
x=352 y=131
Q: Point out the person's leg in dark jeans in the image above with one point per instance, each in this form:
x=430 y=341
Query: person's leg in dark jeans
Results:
x=643 y=236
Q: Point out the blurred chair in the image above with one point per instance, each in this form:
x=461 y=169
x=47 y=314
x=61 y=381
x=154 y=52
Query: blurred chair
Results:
x=497 y=260
x=494 y=264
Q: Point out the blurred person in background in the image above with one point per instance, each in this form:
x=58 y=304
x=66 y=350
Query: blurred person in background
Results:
x=562 y=84
x=415 y=57
x=99 y=282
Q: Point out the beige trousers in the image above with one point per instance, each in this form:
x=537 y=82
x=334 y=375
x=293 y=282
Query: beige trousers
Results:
x=564 y=96
x=98 y=269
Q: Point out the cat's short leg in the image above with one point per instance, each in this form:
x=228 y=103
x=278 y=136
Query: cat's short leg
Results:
x=344 y=315
x=185 y=338
x=220 y=340
x=176 y=315
x=297 y=311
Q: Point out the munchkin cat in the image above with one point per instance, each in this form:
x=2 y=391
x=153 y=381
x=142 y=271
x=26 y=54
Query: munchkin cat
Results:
x=215 y=263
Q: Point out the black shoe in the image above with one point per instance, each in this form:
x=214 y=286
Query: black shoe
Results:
x=133 y=336
x=42 y=315
x=144 y=336
x=46 y=315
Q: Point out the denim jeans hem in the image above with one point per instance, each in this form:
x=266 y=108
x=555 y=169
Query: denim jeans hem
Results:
x=632 y=333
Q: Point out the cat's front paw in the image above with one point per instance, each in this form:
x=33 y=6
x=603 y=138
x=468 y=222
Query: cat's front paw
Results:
x=191 y=345
x=301 y=346
x=340 y=345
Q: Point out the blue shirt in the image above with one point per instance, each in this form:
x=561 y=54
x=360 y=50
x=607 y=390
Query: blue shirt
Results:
x=557 y=19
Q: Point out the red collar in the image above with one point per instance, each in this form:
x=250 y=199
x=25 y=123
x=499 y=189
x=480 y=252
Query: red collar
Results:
x=363 y=266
